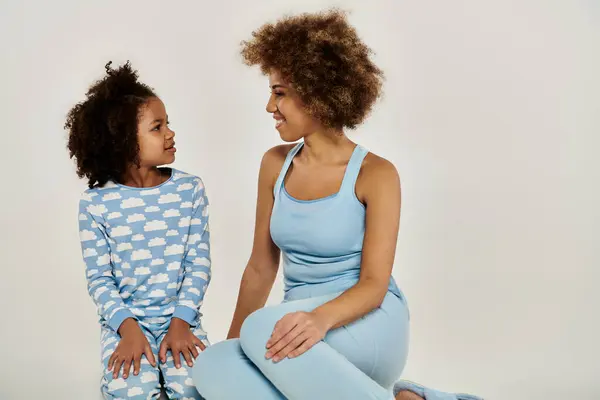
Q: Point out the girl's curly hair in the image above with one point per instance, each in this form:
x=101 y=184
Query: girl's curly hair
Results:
x=103 y=128
x=323 y=58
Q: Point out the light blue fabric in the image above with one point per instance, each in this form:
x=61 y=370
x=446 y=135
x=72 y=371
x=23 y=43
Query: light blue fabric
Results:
x=321 y=244
x=361 y=360
x=321 y=240
x=147 y=257
x=430 y=394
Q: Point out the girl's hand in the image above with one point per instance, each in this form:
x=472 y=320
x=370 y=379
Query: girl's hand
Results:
x=180 y=339
x=295 y=333
x=130 y=349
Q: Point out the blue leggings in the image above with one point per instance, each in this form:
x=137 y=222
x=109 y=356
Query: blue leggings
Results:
x=361 y=360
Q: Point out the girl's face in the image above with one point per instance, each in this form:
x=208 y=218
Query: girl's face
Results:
x=155 y=138
x=292 y=120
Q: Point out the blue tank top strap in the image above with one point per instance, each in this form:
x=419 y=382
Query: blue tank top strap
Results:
x=286 y=165
x=353 y=169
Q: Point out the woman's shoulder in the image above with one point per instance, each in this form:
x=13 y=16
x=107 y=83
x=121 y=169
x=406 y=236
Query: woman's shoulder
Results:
x=274 y=158
x=378 y=170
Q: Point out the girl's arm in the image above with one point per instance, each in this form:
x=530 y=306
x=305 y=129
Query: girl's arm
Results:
x=97 y=257
x=196 y=261
x=263 y=264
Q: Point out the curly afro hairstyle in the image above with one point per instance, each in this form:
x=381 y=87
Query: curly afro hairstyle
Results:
x=323 y=58
x=103 y=128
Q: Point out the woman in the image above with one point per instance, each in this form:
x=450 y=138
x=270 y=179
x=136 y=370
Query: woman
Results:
x=331 y=209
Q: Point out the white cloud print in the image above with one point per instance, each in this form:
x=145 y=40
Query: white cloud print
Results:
x=184 y=222
x=88 y=196
x=171 y=213
x=158 y=241
x=157 y=293
x=152 y=209
x=160 y=278
x=176 y=372
x=117 y=384
x=151 y=192
x=89 y=253
x=200 y=274
x=132 y=202
x=172 y=232
x=148 y=377
x=103 y=260
x=187 y=204
x=86 y=235
x=156 y=225
x=176 y=386
x=138 y=237
x=173 y=266
x=157 y=261
x=135 y=391
x=120 y=231
x=97 y=210
x=142 y=271
x=135 y=218
x=114 y=215
x=185 y=186
x=169 y=198
x=124 y=246
x=202 y=261
x=83 y=217
x=194 y=238
x=174 y=249
x=111 y=196
x=142 y=254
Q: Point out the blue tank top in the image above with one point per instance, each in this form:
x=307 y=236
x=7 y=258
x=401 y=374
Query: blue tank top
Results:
x=321 y=240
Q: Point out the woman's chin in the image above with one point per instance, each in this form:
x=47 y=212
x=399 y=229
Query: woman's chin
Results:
x=288 y=137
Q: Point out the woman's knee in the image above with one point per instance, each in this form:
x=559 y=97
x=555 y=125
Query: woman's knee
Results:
x=215 y=366
x=256 y=331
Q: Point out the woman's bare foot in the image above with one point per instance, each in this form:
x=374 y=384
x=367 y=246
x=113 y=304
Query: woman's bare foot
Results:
x=407 y=395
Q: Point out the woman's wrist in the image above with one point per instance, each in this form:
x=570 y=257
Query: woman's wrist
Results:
x=326 y=317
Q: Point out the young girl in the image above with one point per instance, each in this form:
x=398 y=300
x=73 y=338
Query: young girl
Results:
x=144 y=237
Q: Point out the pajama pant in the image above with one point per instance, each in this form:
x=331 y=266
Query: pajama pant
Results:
x=146 y=385
x=361 y=360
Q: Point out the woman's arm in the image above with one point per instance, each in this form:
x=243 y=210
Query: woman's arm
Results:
x=382 y=198
x=263 y=264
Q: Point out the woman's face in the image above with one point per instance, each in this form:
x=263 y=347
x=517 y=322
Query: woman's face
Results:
x=292 y=120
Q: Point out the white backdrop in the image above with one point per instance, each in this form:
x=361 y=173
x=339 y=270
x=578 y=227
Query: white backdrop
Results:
x=491 y=114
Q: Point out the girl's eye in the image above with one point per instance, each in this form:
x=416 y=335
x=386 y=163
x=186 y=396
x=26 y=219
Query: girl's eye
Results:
x=156 y=128
x=278 y=94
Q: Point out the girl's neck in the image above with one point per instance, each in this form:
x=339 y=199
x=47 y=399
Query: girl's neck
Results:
x=144 y=177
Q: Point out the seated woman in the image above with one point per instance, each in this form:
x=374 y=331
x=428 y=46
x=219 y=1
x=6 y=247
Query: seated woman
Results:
x=331 y=209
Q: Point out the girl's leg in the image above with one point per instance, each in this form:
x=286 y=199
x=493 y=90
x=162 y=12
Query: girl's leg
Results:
x=141 y=387
x=178 y=382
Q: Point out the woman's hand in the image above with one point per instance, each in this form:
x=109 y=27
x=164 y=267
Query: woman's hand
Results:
x=295 y=333
x=130 y=349
x=180 y=339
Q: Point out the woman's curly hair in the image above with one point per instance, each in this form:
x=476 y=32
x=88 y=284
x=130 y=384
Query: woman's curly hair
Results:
x=103 y=128
x=323 y=58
